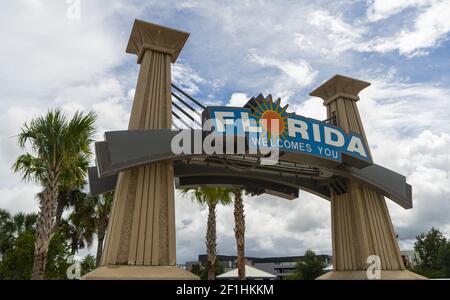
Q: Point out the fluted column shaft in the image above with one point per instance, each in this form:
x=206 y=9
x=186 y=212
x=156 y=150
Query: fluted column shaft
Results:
x=141 y=230
x=360 y=220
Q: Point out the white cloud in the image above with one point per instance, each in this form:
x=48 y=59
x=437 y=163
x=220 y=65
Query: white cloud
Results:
x=238 y=99
x=131 y=93
x=311 y=108
x=45 y=50
x=292 y=75
x=186 y=78
x=20 y=198
x=414 y=36
x=273 y=225
x=105 y=96
x=429 y=29
x=302 y=73
x=339 y=34
x=407 y=128
x=382 y=9
x=405 y=107
x=49 y=61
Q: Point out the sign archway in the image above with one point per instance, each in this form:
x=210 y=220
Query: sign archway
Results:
x=234 y=147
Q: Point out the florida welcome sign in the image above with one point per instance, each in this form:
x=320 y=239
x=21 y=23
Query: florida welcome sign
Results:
x=266 y=124
x=261 y=148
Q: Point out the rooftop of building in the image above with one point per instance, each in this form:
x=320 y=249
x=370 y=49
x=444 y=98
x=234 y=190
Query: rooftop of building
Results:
x=272 y=259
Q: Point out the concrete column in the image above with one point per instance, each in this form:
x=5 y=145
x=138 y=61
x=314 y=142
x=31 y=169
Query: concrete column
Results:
x=360 y=220
x=140 y=239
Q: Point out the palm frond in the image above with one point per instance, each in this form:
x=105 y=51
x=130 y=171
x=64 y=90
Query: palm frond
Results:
x=59 y=145
x=31 y=167
x=210 y=195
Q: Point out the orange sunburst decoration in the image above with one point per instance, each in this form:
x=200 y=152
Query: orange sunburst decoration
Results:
x=265 y=110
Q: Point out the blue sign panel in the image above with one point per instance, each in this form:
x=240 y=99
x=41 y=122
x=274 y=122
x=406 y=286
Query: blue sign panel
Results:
x=272 y=126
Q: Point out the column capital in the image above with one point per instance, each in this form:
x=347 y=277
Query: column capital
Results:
x=148 y=36
x=339 y=86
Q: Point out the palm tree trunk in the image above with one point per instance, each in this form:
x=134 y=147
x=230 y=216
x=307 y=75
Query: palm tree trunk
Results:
x=40 y=259
x=59 y=211
x=73 y=248
x=44 y=229
x=100 y=238
x=239 y=232
x=211 y=241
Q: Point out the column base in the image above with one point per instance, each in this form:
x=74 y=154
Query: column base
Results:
x=126 y=272
x=361 y=275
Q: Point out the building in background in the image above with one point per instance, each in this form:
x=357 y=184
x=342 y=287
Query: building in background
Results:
x=281 y=267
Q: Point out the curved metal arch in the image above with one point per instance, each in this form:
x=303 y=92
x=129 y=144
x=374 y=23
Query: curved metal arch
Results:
x=123 y=150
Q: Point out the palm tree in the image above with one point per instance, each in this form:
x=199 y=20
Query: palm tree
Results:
x=13 y=226
x=95 y=212
x=6 y=231
x=210 y=197
x=79 y=233
x=102 y=212
x=239 y=231
x=58 y=146
x=24 y=222
x=69 y=195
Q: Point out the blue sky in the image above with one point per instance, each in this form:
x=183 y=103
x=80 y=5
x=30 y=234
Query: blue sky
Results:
x=238 y=49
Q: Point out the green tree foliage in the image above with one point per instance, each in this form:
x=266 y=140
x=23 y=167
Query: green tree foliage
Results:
x=77 y=231
x=17 y=260
x=92 y=214
x=87 y=264
x=196 y=269
x=309 y=267
x=6 y=231
x=59 y=159
x=202 y=271
x=433 y=251
x=444 y=260
x=58 y=252
x=13 y=226
x=18 y=252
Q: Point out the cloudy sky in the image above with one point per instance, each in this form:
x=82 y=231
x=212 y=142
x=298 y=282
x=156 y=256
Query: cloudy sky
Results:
x=50 y=58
